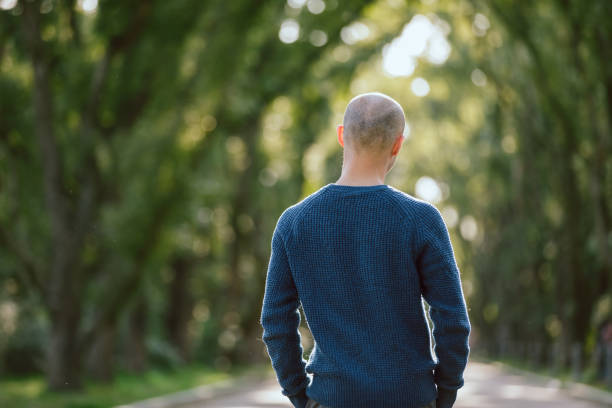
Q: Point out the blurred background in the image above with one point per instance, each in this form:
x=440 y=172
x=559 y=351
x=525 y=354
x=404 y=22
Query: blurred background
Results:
x=147 y=149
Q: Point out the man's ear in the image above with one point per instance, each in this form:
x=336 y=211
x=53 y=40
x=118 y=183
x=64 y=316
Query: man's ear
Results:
x=340 y=130
x=397 y=145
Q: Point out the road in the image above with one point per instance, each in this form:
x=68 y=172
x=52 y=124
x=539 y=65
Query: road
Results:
x=486 y=385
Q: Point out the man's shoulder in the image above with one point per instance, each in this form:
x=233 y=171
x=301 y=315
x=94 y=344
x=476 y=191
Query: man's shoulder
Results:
x=411 y=206
x=296 y=211
x=424 y=217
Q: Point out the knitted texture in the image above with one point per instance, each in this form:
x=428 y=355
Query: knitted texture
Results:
x=360 y=260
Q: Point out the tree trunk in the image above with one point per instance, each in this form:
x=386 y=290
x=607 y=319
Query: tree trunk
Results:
x=61 y=293
x=180 y=305
x=63 y=359
x=100 y=364
x=136 y=345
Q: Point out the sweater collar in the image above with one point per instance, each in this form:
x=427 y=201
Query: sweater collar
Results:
x=347 y=188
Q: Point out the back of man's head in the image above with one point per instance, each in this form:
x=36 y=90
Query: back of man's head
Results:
x=372 y=122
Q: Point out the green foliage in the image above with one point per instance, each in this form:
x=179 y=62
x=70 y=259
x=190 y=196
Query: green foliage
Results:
x=147 y=149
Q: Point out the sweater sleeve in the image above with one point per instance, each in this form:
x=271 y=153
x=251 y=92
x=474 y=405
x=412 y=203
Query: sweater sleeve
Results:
x=441 y=288
x=280 y=319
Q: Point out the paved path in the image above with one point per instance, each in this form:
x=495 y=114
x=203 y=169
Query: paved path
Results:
x=486 y=385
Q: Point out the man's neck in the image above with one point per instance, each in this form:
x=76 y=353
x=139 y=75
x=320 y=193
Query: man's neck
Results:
x=362 y=171
x=360 y=180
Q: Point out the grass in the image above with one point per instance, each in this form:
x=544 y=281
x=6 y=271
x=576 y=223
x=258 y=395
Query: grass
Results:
x=31 y=392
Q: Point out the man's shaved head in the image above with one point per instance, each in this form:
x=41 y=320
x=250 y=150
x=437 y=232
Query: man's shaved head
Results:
x=372 y=122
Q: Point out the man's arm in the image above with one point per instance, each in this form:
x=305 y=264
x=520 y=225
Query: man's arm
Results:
x=441 y=288
x=280 y=319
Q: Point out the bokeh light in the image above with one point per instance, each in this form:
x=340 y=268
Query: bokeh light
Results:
x=289 y=31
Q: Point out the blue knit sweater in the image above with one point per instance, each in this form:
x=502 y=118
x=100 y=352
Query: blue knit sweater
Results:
x=360 y=260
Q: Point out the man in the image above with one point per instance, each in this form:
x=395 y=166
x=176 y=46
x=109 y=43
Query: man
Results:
x=360 y=256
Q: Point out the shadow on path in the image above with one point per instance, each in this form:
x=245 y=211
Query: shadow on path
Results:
x=487 y=385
